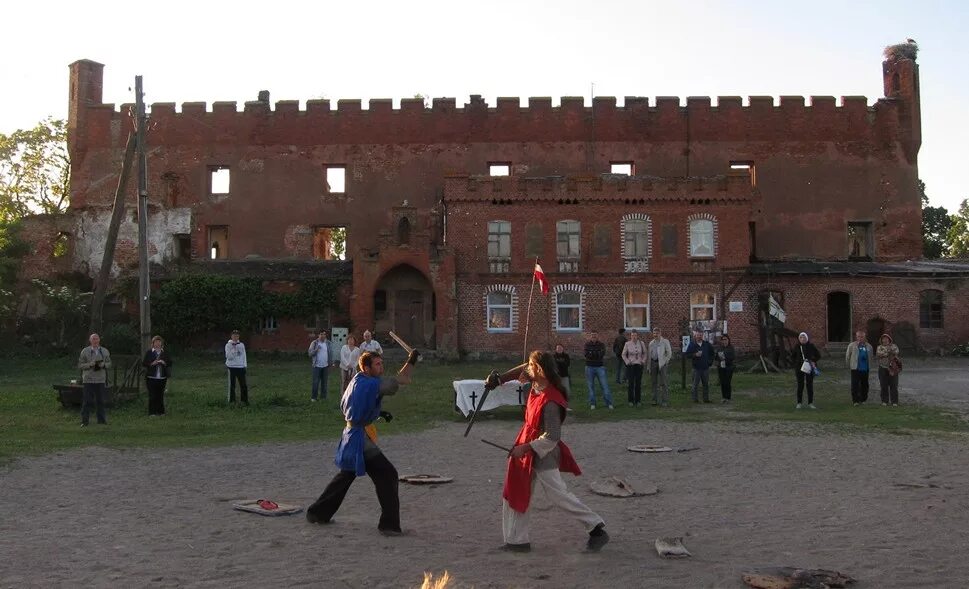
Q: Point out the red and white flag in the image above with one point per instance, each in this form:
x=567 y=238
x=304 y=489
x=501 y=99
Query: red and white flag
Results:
x=540 y=277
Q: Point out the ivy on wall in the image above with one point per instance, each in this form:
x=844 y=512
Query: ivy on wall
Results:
x=195 y=304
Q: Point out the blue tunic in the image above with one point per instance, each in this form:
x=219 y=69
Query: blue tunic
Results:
x=361 y=407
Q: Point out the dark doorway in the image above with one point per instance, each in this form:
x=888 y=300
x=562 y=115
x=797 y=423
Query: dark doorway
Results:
x=839 y=317
x=875 y=329
x=409 y=315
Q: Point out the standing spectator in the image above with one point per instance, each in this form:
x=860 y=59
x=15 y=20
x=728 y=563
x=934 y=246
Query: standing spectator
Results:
x=157 y=365
x=660 y=354
x=594 y=352
x=617 y=346
x=370 y=345
x=319 y=353
x=235 y=361
x=349 y=356
x=94 y=361
x=805 y=357
x=725 y=359
x=562 y=363
x=634 y=357
x=889 y=365
x=859 y=357
x=701 y=352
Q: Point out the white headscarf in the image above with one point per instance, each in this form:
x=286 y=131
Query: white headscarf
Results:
x=804 y=333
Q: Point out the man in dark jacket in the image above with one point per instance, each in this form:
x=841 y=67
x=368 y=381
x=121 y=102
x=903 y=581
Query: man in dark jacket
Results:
x=617 y=345
x=594 y=370
x=701 y=352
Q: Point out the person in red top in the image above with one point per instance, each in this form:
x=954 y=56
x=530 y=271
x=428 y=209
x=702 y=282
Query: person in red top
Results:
x=539 y=456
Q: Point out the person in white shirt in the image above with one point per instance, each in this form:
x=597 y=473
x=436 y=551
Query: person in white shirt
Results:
x=319 y=353
x=349 y=355
x=235 y=361
x=634 y=355
x=660 y=354
x=369 y=344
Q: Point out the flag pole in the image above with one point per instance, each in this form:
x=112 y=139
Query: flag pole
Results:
x=528 y=314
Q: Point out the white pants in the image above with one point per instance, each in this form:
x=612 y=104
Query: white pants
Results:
x=515 y=525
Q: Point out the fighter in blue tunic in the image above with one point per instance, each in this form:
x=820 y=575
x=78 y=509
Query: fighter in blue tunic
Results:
x=358 y=453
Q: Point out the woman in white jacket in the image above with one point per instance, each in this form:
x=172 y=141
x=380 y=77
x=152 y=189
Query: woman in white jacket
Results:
x=349 y=354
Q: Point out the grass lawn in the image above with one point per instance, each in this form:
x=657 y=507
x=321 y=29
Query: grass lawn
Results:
x=33 y=422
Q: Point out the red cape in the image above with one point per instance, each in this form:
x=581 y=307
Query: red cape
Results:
x=518 y=479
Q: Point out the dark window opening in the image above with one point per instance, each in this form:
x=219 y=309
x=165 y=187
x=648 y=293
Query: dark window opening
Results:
x=748 y=166
x=403 y=232
x=380 y=304
x=499 y=169
x=930 y=309
x=839 y=317
x=183 y=247
x=62 y=244
x=219 y=180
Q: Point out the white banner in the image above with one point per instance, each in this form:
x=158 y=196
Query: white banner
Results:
x=467 y=395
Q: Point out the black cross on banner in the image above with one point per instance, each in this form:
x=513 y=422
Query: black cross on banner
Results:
x=521 y=390
x=473 y=395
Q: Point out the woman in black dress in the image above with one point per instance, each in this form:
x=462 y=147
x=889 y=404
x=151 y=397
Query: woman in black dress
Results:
x=157 y=365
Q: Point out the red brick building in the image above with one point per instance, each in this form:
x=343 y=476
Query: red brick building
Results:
x=642 y=215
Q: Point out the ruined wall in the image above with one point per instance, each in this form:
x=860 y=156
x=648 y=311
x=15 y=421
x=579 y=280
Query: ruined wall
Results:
x=817 y=166
x=90 y=229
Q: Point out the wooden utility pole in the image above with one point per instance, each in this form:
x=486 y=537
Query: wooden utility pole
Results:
x=144 y=286
x=107 y=260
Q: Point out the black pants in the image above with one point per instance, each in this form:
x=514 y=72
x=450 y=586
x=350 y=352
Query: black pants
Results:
x=859 y=386
x=801 y=379
x=889 y=386
x=726 y=382
x=156 y=395
x=93 y=393
x=240 y=375
x=384 y=477
x=620 y=368
x=634 y=372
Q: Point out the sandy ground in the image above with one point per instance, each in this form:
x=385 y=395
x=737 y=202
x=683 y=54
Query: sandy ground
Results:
x=752 y=495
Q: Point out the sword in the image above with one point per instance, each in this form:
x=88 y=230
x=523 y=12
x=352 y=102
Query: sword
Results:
x=499 y=446
x=402 y=343
x=474 y=413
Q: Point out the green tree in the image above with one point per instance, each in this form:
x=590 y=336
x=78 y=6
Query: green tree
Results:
x=35 y=170
x=935 y=227
x=67 y=308
x=959 y=232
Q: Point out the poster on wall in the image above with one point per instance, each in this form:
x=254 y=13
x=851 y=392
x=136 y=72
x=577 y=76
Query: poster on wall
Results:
x=711 y=329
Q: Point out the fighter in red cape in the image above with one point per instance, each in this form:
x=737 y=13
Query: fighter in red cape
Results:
x=539 y=456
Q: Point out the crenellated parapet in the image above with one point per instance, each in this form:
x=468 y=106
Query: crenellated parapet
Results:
x=443 y=120
x=733 y=188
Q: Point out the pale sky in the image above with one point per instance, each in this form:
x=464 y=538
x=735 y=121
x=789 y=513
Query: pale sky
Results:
x=215 y=50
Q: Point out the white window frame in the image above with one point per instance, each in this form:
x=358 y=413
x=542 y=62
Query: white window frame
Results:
x=511 y=311
x=577 y=306
x=712 y=306
x=694 y=242
x=268 y=324
x=647 y=306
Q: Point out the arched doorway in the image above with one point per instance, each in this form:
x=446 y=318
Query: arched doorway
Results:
x=839 y=317
x=404 y=302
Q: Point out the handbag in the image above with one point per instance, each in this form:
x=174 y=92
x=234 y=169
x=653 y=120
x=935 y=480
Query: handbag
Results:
x=806 y=367
x=895 y=366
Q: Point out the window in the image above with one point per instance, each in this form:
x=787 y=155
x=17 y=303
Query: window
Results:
x=267 y=325
x=380 y=304
x=218 y=242
x=636 y=309
x=701 y=238
x=403 y=231
x=930 y=309
x=318 y=321
x=635 y=238
x=62 y=244
x=534 y=242
x=499 y=169
x=567 y=245
x=703 y=307
x=336 y=179
x=499 y=246
x=183 y=247
x=668 y=244
x=745 y=166
x=568 y=310
x=499 y=311
x=218 y=180
x=329 y=243
x=624 y=168
x=859 y=240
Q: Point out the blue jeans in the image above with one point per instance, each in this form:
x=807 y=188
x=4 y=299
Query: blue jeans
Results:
x=591 y=374
x=320 y=375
